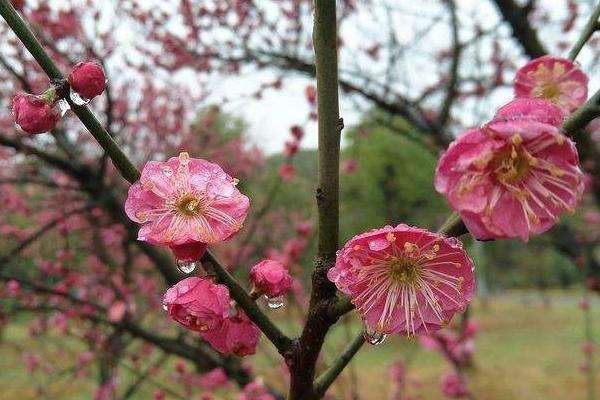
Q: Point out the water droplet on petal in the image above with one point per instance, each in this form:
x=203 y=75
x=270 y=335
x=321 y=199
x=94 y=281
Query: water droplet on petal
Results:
x=77 y=98
x=186 y=266
x=275 y=302
x=373 y=337
x=164 y=305
x=168 y=171
x=63 y=106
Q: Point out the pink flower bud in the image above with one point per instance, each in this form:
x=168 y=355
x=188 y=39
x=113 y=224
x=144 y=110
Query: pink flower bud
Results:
x=198 y=304
x=271 y=278
x=453 y=386
x=287 y=172
x=87 y=78
x=311 y=94
x=291 y=148
x=297 y=132
x=34 y=114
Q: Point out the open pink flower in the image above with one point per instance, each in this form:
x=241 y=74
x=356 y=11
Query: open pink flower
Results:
x=515 y=176
x=198 y=304
x=404 y=279
x=236 y=335
x=453 y=386
x=186 y=203
x=271 y=278
x=554 y=79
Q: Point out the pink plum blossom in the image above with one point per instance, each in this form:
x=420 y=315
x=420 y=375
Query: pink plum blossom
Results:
x=87 y=78
x=236 y=335
x=554 y=79
x=34 y=114
x=404 y=279
x=271 y=278
x=186 y=203
x=515 y=176
x=198 y=303
x=453 y=386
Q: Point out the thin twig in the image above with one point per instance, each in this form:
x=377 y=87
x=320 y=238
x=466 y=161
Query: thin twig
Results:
x=328 y=377
x=592 y=25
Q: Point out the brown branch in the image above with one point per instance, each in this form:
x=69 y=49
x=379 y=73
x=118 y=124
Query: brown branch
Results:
x=306 y=350
x=518 y=19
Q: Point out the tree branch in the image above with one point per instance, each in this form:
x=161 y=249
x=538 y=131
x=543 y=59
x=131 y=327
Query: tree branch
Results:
x=517 y=17
x=592 y=25
x=324 y=381
x=306 y=350
x=451 y=90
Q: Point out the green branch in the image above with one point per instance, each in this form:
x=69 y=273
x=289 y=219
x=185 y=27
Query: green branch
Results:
x=324 y=381
x=592 y=25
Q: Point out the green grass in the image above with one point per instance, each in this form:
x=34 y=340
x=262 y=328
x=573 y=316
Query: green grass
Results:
x=525 y=351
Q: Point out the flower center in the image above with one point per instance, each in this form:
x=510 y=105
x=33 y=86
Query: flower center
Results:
x=512 y=165
x=190 y=206
x=550 y=91
x=403 y=270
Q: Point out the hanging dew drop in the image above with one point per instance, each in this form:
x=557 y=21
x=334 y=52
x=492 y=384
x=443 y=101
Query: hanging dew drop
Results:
x=186 y=266
x=372 y=337
x=275 y=303
x=63 y=106
x=164 y=305
x=77 y=98
x=167 y=171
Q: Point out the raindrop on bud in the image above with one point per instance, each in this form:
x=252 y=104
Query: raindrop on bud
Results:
x=275 y=302
x=77 y=98
x=63 y=106
x=186 y=266
x=164 y=305
x=373 y=337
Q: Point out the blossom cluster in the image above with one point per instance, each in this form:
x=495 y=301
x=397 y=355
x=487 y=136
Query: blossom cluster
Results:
x=37 y=114
x=515 y=175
